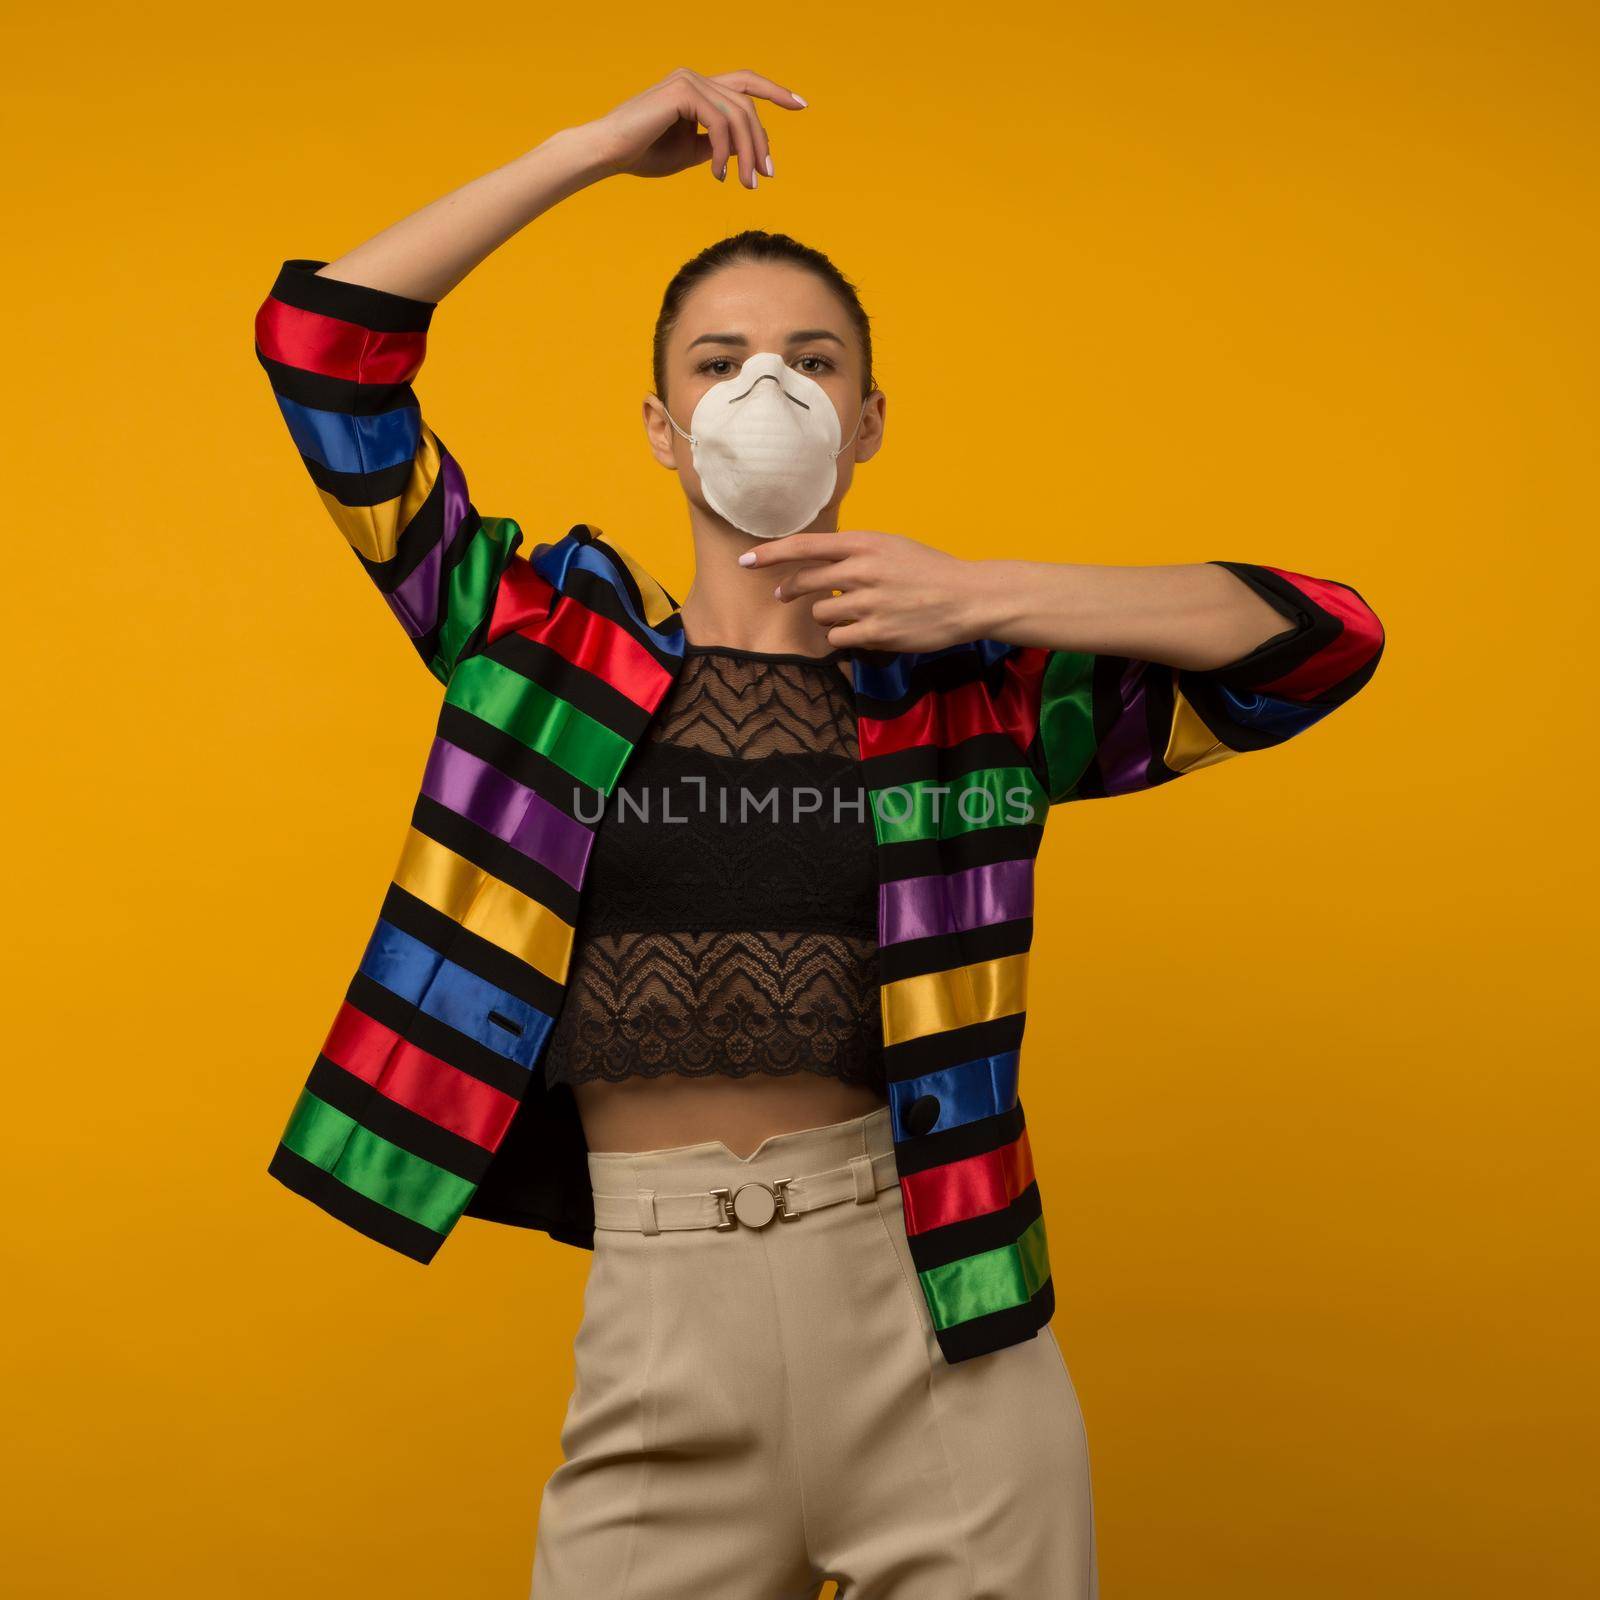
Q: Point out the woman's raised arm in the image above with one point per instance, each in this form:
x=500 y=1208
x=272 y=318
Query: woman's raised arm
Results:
x=652 y=135
x=342 y=341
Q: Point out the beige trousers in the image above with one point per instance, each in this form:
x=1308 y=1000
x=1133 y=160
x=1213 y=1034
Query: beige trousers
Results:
x=761 y=1409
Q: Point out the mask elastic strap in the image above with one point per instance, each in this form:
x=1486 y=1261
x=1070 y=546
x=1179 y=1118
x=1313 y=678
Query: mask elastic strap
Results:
x=854 y=431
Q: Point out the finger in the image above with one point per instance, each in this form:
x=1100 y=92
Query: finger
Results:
x=702 y=146
x=798 y=547
x=738 y=119
x=836 y=609
x=761 y=152
x=754 y=83
x=851 y=635
x=717 y=130
x=741 y=125
x=819 y=578
x=758 y=132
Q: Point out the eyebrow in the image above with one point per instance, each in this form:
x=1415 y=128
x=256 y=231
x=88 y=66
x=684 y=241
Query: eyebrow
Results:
x=799 y=336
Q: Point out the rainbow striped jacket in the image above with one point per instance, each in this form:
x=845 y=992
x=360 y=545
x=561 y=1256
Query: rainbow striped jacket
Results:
x=426 y=1102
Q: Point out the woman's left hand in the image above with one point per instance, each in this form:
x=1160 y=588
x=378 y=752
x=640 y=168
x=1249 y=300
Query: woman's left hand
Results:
x=897 y=593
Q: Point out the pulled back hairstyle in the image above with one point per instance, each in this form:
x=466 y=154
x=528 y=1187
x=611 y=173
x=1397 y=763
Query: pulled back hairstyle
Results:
x=755 y=244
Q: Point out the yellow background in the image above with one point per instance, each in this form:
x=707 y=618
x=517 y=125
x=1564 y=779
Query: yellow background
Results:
x=1309 y=1070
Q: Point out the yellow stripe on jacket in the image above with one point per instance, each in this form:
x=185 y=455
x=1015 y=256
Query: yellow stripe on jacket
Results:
x=375 y=530
x=483 y=905
x=939 y=1001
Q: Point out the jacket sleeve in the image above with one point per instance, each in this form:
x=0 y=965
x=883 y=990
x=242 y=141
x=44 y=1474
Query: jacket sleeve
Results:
x=341 y=358
x=1110 y=725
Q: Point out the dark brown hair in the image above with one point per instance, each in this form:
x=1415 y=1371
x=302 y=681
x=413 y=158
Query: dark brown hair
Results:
x=755 y=244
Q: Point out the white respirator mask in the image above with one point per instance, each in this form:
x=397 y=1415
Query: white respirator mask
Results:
x=765 y=443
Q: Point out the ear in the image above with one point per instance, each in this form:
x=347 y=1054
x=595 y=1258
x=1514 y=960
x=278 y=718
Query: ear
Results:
x=660 y=432
x=869 y=439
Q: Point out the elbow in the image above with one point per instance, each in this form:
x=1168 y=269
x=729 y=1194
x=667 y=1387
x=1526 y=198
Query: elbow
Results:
x=1345 y=639
x=261 y=327
x=1363 y=640
x=1347 y=658
x=269 y=324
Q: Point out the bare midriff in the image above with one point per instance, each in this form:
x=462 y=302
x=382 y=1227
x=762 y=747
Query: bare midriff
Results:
x=658 y=1113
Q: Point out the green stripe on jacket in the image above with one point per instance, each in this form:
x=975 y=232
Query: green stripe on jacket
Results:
x=591 y=752
x=990 y=1281
x=928 y=808
x=370 y=1165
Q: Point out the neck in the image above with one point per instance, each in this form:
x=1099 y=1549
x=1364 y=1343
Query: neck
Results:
x=732 y=605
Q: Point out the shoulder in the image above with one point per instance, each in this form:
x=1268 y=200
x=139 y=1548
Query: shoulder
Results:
x=585 y=566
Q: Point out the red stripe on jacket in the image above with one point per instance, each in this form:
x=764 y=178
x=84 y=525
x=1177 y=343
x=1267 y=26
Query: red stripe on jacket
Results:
x=1360 y=637
x=526 y=603
x=946 y=717
x=523 y=597
x=973 y=1187
x=445 y=1095
x=315 y=343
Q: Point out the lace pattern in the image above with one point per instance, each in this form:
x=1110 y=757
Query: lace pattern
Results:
x=729 y=921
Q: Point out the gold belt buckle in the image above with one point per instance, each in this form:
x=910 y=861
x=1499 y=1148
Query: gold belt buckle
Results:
x=754 y=1209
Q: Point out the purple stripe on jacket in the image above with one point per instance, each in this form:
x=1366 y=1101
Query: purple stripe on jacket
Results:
x=915 y=908
x=511 y=811
x=1124 y=753
x=416 y=601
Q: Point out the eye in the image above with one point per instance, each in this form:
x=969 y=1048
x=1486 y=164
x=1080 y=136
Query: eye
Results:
x=827 y=365
x=719 y=363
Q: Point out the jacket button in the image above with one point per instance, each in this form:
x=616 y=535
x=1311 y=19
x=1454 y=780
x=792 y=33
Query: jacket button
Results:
x=923 y=1113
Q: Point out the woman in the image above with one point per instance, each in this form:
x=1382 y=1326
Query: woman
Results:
x=707 y=947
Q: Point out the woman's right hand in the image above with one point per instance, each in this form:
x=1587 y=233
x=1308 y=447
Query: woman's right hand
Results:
x=656 y=133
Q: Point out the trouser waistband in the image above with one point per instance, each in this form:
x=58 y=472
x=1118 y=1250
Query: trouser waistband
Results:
x=705 y=1185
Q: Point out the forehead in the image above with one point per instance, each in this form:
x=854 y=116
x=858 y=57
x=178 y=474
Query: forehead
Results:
x=760 y=298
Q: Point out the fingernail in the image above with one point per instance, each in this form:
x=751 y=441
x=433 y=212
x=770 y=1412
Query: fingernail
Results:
x=794 y=96
x=748 y=559
x=755 y=182
x=777 y=593
x=769 y=166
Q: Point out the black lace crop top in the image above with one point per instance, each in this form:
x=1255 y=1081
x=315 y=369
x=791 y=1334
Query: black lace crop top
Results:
x=730 y=913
